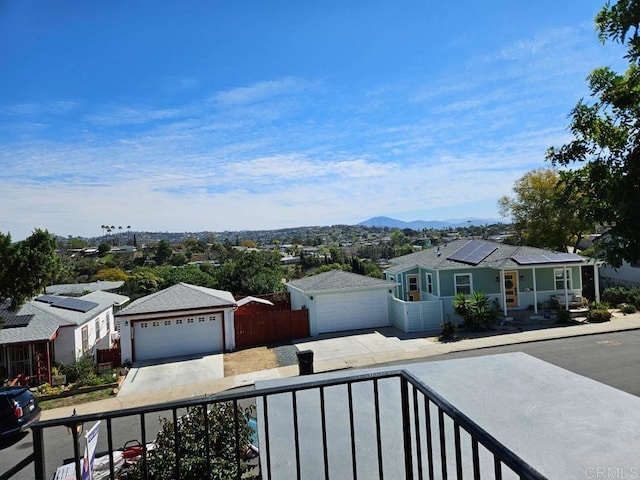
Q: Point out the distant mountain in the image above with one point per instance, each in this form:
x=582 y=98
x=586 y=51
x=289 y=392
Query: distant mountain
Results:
x=435 y=224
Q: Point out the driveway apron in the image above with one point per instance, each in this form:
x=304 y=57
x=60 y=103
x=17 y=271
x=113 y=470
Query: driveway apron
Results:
x=165 y=374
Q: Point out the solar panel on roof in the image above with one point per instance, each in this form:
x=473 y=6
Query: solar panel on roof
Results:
x=75 y=304
x=546 y=258
x=473 y=252
x=17 y=321
x=47 y=299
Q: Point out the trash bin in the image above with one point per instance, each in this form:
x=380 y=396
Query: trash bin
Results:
x=305 y=362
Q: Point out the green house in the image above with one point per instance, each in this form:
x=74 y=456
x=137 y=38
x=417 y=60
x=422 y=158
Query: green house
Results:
x=516 y=277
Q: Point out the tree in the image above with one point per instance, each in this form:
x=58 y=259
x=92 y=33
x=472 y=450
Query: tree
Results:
x=163 y=252
x=194 y=436
x=26 y=267
x=142 y=281
x=541 y=217
x=111 y=274
x=606 y=139
x=251 y=273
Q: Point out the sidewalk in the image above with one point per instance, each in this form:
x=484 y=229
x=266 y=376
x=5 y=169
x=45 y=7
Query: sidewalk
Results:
x=328 y=357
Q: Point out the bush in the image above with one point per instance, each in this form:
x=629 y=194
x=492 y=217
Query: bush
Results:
x=627 y=308
x=599 y=315
x=619 y=295
x=46 y=389
x=222 y=419
x=476 y=310
x=449 y=330
x=81 y=372
x=615 y=295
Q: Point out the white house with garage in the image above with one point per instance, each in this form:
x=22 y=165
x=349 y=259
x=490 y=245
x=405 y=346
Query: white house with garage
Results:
x=52 y=329
x=181 y=320
x=339 y=301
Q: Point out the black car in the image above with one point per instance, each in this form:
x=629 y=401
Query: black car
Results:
x=18 y=409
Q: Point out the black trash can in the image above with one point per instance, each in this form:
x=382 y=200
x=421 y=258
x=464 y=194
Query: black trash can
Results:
x=305 y=362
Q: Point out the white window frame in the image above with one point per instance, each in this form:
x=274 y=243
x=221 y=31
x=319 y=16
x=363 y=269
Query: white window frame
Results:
x=560 y=275
x=457 y=286
x=429 y=283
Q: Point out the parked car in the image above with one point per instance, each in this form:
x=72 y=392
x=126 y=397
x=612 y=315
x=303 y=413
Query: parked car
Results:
x=18 y=409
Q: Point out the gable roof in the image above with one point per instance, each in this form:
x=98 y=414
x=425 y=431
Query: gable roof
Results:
x=80 y=288
x=337 y=280
x=39 y=321
x=501 y=257
x=181 y=296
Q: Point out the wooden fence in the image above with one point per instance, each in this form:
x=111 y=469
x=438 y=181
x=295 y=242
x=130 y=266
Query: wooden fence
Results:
x=111 y=356
x=266 y=327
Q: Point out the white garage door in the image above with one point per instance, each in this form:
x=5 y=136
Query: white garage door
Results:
x=351 y=311
x=171 y=338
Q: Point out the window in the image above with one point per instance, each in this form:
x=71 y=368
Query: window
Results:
x=211 y=319
x=179 y=321
x=155 y=324
x=85 y=339
x=429 y=283
x=108 y=322
x=558 y=275
x=98 y=329
x=189 y=320
x=200 y=319
x=463 y=283
x=167 y=322
x=413 y=283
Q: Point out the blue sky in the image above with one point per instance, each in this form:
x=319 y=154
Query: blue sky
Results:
x=246 y=114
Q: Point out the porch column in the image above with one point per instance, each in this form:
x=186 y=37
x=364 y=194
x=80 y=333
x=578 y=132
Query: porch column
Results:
x=48 y=363
x=566 y=291
x=503 y=293
x=535 y=292
x=596 y=281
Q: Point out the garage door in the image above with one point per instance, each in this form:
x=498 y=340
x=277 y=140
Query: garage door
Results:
x=171 y=338
x=351 y=311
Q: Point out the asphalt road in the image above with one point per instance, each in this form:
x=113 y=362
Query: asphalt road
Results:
x=612 y=359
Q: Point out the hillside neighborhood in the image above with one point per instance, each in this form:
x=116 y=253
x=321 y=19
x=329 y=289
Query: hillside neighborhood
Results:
x=235 y=319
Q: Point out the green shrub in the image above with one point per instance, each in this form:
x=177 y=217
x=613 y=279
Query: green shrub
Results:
x=619 y=295
x=599 y=315
x=81 y=372
x=476 y=310
x=449 y=330
x=46 y=389
x=615 y=295
x=195 y=464
x=627 y=308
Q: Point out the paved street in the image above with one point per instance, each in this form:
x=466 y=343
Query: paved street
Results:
x=612 y=358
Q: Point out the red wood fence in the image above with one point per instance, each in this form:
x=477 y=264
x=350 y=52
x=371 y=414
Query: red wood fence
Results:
x=111 y=355
x=266 y=327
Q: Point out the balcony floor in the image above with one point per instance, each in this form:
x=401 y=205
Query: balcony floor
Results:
x=563 y=424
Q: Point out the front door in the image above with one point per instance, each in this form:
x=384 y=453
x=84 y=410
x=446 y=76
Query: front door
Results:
x=511 y=289
x=414 y=288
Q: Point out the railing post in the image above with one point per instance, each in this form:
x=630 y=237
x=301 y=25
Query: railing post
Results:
x=38 y=453
x=406 y=428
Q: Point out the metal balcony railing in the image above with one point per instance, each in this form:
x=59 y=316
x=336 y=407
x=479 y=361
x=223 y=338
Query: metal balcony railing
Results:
x=328 y=421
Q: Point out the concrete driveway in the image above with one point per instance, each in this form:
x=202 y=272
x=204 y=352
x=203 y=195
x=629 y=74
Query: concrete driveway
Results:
x=166 y=374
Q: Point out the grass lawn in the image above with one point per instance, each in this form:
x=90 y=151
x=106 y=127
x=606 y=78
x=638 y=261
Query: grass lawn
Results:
x=76 y=399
